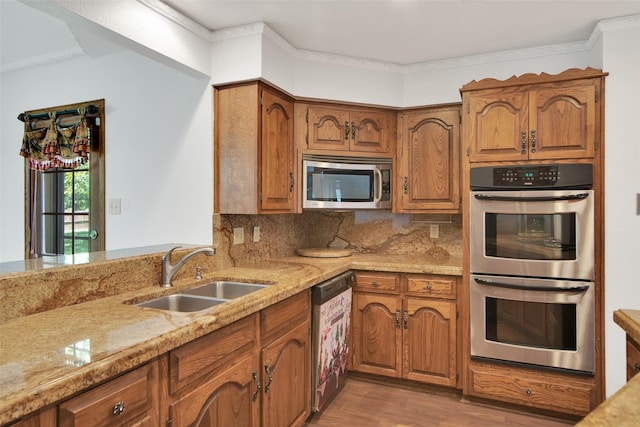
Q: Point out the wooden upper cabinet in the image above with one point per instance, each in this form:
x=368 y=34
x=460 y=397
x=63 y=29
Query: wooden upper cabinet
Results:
x=277 y=153
x=533 y=117
x=346 y=129
x=254 y=150
x=428 y=160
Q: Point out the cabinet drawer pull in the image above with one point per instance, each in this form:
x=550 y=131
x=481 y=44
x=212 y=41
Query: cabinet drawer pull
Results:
x=374 y=284
x=529 y=392
x=428 y=287
x=118 y=408
x=268 y=371
x=397 y=318
x=254 y=396
x=636 y=367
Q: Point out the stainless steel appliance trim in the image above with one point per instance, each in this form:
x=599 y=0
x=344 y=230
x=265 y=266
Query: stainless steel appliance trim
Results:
x=582 y=268
x=345 y=163
x=582 y=359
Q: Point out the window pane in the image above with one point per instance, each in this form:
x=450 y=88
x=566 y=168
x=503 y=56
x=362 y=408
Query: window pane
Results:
x=82 y=199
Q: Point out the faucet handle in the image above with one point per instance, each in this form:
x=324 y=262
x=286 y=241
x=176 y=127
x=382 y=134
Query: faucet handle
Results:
x=167 y=256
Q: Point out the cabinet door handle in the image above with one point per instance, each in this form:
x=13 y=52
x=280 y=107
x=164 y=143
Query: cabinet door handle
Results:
x=397 y=318
x=374 y=284
x=636 y=367
x=292 y=182
x=118 y=408
x=405 y=319
x=533 y=141
x=405 y=185
x=254 y=396
x=523 y=142
x=346 y=130
x=428 y=286
x=268 y=371
x=353 y=130
x=529 y=392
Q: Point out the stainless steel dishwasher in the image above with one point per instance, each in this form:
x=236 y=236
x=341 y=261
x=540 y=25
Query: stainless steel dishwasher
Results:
x=331 y=325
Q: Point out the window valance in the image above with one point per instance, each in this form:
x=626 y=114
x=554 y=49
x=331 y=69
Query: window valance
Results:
x=50 y=142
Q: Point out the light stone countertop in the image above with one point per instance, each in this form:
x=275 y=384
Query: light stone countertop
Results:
x=623 y=408
x=49 y=356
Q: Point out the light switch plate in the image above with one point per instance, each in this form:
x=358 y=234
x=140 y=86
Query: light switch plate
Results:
x=115 y=206
x=238 y=236
x=434 y=231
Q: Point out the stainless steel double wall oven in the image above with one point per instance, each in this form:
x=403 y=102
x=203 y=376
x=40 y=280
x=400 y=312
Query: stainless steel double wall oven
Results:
x=532 y=296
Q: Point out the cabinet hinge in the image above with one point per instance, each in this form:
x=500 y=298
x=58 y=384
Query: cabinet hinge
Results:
x=596 y=96
x=457 y=377
x=468 y=152
x=596 y=145
x=457 y=313
x=307 y=139
x=169 y=422
x=261 y=101
x=260 y=196
x=306 y=118
x=460 y=119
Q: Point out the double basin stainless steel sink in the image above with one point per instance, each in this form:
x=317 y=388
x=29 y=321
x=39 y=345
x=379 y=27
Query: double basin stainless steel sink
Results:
x=202 y=297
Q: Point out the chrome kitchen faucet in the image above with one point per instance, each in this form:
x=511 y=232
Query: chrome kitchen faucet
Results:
x=168 y=270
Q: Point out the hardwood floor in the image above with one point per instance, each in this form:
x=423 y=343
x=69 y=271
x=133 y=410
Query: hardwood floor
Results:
x=364 y=403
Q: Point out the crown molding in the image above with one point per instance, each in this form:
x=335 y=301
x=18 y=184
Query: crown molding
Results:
x=173 y=15
x=260 y=28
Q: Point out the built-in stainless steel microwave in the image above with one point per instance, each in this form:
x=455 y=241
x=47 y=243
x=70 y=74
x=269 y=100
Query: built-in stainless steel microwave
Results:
x=346 y=183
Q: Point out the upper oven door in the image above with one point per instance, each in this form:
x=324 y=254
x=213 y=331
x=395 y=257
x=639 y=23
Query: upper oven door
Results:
x=547 y=233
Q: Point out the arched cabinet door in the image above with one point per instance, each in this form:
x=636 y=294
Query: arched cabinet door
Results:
x=428 y=178
x=225 y=400
x=430 y=341
x=377 y=334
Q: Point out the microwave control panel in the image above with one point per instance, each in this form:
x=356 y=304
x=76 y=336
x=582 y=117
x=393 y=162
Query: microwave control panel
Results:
x=559 y=176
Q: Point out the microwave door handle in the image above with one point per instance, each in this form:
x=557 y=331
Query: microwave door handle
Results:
x=579 y=196
x=530 y=288
x=377 y=197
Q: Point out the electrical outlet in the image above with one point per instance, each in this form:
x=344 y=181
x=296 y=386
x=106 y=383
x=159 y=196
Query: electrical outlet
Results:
x=238 y=236
x=255 y=234
x=434 y=231
x=115 y=206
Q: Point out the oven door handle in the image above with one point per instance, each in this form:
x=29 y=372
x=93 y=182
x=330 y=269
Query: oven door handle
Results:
x=531 y=288
x=579 y=196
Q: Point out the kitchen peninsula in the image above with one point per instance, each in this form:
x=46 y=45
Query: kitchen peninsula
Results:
x=73 y=348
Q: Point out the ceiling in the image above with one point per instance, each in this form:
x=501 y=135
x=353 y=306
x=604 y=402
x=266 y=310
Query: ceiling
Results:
x=412 y=31
x=392 y=31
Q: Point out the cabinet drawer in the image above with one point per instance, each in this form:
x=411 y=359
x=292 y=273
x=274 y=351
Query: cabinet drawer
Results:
x=433 y=286
x=283 y=316
x=633 y=358
x=117 y=402
x=210 y=352
x=377 y=282
x=542 y=392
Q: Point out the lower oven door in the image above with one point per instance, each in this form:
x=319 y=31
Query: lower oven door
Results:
x=533 y=321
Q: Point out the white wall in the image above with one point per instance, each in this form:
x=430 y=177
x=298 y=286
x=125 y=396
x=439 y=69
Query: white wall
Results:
x=158 y=146
x=621 y=58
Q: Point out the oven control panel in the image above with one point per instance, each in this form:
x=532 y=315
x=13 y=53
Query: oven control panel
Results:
x=532 y=176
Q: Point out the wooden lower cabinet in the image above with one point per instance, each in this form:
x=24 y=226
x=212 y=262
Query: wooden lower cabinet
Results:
x=253 y=372
x=633 y=357
x=45 y=417
x=534 y=388
x=129 y=400
x=406 y=334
